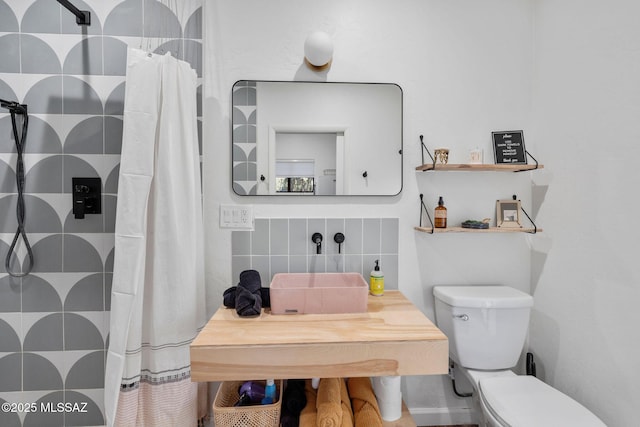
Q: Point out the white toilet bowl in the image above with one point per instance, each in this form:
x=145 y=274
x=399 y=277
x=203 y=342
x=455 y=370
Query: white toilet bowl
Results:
x=486 y=327
x=506 y=399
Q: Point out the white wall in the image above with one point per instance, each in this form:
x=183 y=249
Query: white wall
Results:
x=465 y=70
x=587 y=108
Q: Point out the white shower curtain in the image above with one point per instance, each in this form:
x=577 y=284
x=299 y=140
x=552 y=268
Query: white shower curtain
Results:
x=157 y=302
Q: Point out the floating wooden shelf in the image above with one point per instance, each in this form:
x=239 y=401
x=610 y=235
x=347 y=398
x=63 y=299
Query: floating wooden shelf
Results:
x=477 y=230
x=393 y=337
x=482 y=167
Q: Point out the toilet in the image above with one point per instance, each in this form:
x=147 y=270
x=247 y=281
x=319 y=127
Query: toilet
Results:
x=487 y=327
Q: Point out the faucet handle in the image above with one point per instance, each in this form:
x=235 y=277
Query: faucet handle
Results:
x=338 y=238
x=317 y=239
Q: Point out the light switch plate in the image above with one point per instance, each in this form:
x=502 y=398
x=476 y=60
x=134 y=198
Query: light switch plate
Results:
x=236 y=217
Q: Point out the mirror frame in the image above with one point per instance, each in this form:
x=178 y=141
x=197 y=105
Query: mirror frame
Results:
x=239 y=120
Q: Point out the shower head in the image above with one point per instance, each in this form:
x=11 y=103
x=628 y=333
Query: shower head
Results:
x=13 y=106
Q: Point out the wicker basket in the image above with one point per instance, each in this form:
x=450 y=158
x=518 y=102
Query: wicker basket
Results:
x=227 y=415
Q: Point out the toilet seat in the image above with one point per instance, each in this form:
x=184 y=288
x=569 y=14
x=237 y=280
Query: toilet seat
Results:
x=525 y=401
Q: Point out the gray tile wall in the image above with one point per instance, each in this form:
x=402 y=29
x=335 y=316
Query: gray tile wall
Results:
x=283 y=245
x=54 y=323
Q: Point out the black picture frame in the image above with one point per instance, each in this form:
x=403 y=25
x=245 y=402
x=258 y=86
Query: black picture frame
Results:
x=508 y=147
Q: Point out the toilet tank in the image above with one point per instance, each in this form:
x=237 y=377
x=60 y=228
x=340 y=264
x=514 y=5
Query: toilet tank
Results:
x=486 y=325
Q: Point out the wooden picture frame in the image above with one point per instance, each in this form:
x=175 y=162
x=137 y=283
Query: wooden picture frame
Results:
x=508 y=214
x=508 y=147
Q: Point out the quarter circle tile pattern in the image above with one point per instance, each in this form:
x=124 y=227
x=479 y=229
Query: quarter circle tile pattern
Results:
x=112 y=135
x=8 y=20
x=47 y=418
x=45 y=335
x=93 y=415
x=160 y=21
x=39 y=218
x=10 y=292
x=41 y=137
x=193 y=27
x=80 y=255
x=88 y=372
x=9 y=419
x=85 y=57
x=47 y=254
x=14 y=262
x=73 y=80
x=37 y=18
x=109 y=212
x=125 y=19
x=37 y=57
x=115 y=102
x=10 y=48
x=111 y=183
x=11 y=368
x=80 y=97
x=38 y=295
x=80 y=333
x=7 y=178
x=45 y=97
x=45 y=176
x=40 y=373
x=86 y=137
x=86 y=295
x=6 y=92
x=115 y=57
x=10 y=341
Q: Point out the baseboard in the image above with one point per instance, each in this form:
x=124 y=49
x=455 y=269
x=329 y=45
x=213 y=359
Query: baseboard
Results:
x=442 y=416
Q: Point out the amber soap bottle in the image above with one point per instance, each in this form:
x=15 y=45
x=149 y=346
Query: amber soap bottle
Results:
x=440 y=215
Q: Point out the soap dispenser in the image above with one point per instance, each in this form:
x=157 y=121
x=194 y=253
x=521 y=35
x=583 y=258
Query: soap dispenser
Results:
x=440 y=214
x=376 y=281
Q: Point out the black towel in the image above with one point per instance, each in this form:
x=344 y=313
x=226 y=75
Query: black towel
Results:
x=294 y=400
x=248 y=298
x=250 y=280
x=229 y=297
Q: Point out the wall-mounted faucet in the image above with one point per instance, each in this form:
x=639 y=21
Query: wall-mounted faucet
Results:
x=317 y=239
x=339 y=239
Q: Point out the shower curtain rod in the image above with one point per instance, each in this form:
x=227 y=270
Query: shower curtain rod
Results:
x=83 y=17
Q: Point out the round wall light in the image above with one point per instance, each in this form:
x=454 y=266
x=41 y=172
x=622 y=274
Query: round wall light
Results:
x=318 y=51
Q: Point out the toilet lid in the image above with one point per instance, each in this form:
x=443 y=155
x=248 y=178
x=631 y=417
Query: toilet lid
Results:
x=525 y=401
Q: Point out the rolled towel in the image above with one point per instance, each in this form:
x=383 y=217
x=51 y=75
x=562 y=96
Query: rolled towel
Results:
x=229 y=297
x=347 y=412
x=366 y=412
x=248 y=297
x=247 y=303
x=329 y=403
x=250 y=280
x=309 y=414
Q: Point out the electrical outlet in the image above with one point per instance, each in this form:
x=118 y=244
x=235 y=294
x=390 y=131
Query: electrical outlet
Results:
x=236 y=217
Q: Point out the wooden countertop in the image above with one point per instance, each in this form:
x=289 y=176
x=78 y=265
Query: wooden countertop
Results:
x=392 y=338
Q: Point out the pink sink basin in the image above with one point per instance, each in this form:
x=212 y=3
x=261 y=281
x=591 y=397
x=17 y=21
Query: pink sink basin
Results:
x=318 y=293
